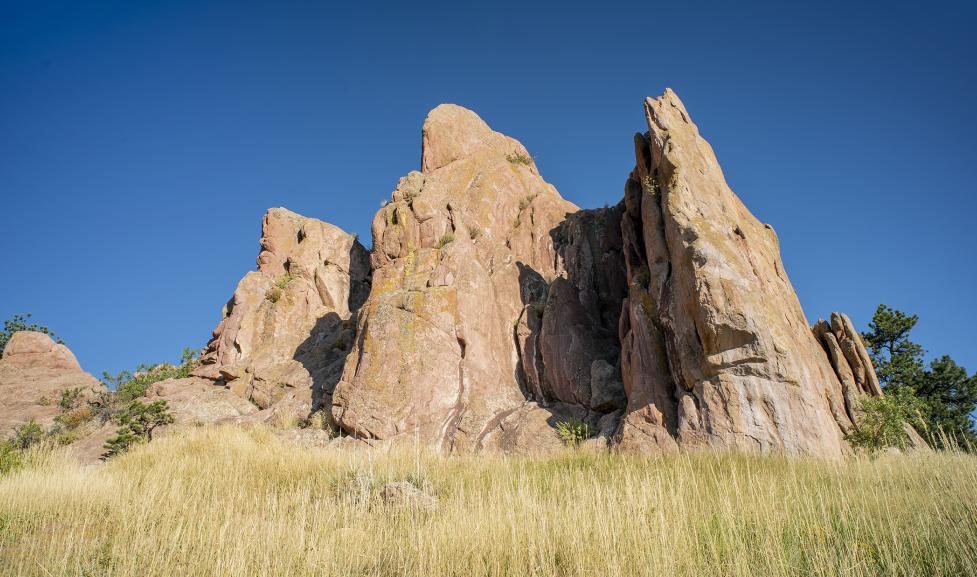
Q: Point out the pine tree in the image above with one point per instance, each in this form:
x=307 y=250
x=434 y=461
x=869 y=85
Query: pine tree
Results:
x=948 y=396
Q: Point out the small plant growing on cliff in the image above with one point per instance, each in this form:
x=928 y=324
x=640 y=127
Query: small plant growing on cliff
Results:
x=519 y=158
x=136 y=425
x=642 y=276
x=574 y=431
x=275 y=292
x=22 y=323
x=474 y=231
x=446 y=239
x=10 y=458
x=650 y=184
x=883 y=421
x=70 y=399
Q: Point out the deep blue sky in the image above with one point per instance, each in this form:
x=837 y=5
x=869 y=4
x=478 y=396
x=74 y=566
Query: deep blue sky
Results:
x=140 y=142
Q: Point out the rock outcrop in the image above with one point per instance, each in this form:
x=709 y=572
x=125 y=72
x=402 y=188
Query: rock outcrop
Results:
x=290 y=324
x=461 y=254
x=34 y=373
x=717 y=351
x=490 y=309
x=851 y=363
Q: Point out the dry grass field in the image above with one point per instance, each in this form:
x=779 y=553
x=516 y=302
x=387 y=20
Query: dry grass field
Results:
x=229 y=502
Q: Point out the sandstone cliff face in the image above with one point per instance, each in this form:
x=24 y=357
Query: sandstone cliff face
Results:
x=34 y=372
x=460 y=254
x=288 y=328
x=716 y=348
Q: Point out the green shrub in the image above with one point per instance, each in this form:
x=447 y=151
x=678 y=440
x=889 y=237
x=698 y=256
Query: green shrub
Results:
x=574 y=431
x=650 y=184
x=136 y=425
x=70 y=399
x=22 y=323
x=883 y=421
x=519 y=158
x=10 y=458
x=446 y=239
x=274 y=294
x=27 y=435
x=129 y=386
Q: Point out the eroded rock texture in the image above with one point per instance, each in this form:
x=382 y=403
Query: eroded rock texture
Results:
x=716 y=349
x=288 y=328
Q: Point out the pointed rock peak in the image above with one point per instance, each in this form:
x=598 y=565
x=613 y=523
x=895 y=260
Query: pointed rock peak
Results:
x=452 y=132
x=667 y=111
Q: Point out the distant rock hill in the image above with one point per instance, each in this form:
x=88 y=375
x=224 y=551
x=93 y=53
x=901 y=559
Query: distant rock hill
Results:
x=491 y=309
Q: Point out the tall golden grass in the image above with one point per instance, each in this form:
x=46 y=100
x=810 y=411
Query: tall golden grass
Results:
x=226 y=501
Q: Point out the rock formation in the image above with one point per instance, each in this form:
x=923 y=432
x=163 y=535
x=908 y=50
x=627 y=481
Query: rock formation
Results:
x=672 y=307
x=461 y=255
x=716 y=348
x=490 y=309
x=286 y=331
x=34 y=373
x=850 y=361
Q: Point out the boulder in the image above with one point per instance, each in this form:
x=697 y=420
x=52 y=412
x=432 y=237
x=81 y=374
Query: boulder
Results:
x=34 y=373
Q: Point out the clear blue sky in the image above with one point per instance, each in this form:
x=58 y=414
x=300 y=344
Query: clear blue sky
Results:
x=141 y=141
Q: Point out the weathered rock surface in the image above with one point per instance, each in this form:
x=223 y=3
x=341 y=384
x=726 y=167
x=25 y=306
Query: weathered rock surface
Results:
x=290 y=324
x=464 y=259
x=34 y=372
x=716 y=349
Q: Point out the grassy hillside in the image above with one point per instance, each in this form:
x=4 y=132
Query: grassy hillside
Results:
x=218 y=502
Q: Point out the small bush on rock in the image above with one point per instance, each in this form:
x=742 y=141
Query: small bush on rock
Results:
x=519 y=158
x=574 y=431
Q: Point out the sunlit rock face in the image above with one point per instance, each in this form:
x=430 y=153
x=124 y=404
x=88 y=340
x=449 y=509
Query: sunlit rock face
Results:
x=716 y=349
x=287 y=329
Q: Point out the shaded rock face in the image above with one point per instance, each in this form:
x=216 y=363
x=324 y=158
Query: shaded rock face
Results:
x=716 y=351
x=288 y=328
x=34 y=372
